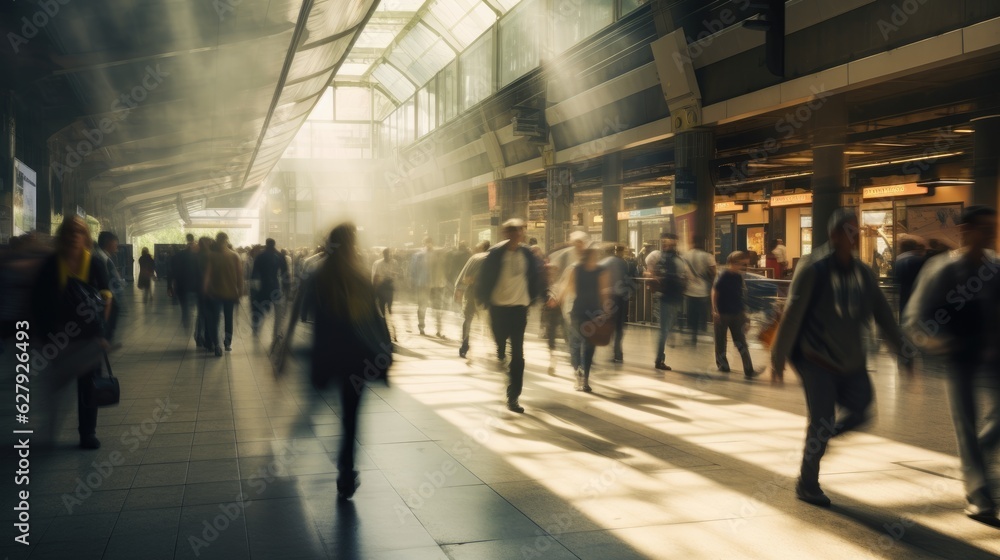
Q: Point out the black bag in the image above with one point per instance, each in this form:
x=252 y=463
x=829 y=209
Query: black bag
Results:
x=671 y=277
x=85 y=307
x=103 y=391
x=373 y=331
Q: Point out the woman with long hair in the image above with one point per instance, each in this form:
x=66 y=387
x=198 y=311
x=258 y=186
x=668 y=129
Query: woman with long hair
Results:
x=59 y=312
x=147 y=271
x=351 y=341
x=589 y=284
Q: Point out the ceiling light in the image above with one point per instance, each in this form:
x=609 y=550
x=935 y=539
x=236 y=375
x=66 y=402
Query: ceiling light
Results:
x=856 y=153
x=964 y=130
x=906 y=160
x=890 y=145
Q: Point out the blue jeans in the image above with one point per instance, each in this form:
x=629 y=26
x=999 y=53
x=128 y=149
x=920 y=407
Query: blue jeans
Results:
x=581 y=351
x=669 y=311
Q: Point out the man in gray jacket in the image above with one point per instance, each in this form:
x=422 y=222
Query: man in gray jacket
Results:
x=833 y=297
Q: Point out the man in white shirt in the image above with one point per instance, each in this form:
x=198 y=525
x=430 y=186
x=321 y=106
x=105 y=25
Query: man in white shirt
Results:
x=699 y=288
x=508 y=282
x=781 y=254
x=427 y=273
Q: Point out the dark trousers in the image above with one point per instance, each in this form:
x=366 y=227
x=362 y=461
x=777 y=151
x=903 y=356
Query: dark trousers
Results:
x=383 y=297
x=552 y=321
x=975 y=446
x=825 y=390
x=87 y=415
x=509 y=323
x=469 y=311
x=116 y=311
x=734 y=323
x=187 y=301
x=217 y=307
x=697 y=316
x=350 y=401
x=620 y=311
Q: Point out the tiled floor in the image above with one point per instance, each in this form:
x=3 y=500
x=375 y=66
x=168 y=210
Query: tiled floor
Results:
x=213 y=458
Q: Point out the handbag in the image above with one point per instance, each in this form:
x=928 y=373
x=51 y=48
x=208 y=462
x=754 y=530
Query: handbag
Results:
x=598 y=331
x=103 y=391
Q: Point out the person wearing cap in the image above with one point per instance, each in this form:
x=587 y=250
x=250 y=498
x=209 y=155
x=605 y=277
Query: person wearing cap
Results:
x=833 y=297
x=508 y=282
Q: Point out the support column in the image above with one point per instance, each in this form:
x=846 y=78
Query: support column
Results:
x=559 y=194
x=829 y=164
x=512 y=202
x=611 y=196
x=986 y=161
x=694 y=190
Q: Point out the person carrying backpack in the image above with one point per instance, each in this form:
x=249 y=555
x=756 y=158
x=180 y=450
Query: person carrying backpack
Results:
x=671 y=274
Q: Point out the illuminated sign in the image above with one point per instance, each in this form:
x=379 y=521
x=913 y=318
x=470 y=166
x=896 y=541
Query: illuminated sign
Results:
x=645 y=213
x=907 y=189
x=728 y=206
x=801 y=199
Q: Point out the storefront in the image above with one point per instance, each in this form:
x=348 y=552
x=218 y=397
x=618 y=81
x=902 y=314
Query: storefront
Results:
x=638 y=227
x=929 y=211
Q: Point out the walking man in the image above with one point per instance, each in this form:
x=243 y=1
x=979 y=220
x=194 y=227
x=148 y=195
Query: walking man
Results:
x=729 y=313
x=185 y=282
x=107 y=248
x=427 y=272
x=962 y=323
x=621 y=292
x=698 y=290
x=463 y=288
x=509 y=281
x=833 y=296
x=224 y=286
x=671 y=274
x=384 y=274
x=270 y=275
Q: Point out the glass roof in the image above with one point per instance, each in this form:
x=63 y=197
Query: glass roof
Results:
x=407 y=42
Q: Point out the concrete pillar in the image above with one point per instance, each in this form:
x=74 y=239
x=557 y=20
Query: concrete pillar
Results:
x=986 y=161
x=829 y=164
x=611 y=196
x=559 y=191
x=694 y=189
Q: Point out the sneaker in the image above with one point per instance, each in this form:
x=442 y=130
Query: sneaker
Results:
x=441 y=335
x=586 y=388
x=218 y=351
x=346 y=486
x=578 y=385
x=552 y=371
x=90 y=442
x=514 y=406
x=814 y=496
x=229 y=348
x=462 y=352
x=662 y=366
x=752 y=374
x=724 y=369
x=618 y=360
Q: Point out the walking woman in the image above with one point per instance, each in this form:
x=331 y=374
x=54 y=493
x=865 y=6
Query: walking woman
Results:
x=350 y=338
x=61 y=305
x=147 y=272
x=591 y=285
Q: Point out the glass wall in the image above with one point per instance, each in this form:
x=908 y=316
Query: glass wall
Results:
x=575 y=21
x=353 y=104
x=476 y=66
x=520 y=40
x=631 y=5
x=423 y=114
x=447 y=87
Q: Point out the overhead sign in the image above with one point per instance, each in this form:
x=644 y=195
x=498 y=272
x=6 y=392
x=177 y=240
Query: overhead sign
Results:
x=888 y=191
x=800 y=199
x=645 y=213
x=728 y=206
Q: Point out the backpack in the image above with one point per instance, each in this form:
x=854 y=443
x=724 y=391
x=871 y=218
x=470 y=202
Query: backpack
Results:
x=671 y=275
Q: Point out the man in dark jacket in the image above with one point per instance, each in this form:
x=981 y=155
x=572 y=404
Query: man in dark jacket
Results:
x=185 y=282
x=833 y=297
x=270 y=273
x=509 y=281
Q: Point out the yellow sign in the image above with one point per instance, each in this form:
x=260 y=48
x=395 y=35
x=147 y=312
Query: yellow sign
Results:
x=728 y=206
x=801 y=199
x=888 y=191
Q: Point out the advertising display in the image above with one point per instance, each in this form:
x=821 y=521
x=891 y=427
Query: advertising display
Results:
x=24 y=198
